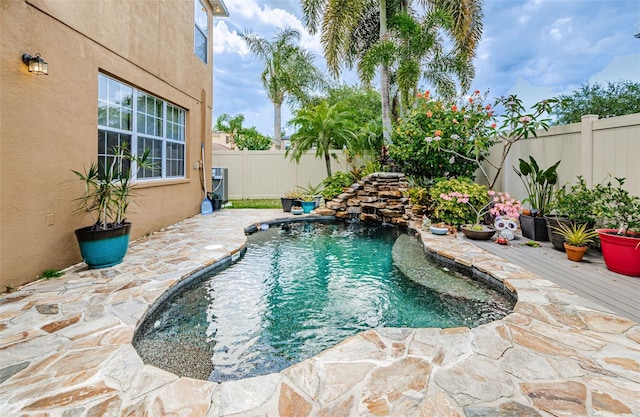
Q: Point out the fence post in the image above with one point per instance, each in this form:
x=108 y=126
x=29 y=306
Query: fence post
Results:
x=586 y=147
x=245 y=156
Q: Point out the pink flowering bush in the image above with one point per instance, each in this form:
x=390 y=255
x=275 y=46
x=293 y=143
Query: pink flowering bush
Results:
x=459 y=207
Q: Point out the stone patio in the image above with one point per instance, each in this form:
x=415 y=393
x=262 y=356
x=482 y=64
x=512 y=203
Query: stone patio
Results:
x=65 y=347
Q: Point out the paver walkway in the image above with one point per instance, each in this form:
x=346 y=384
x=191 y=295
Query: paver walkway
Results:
x=65 y=348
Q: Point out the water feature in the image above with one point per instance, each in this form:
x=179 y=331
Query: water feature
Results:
x=302 y=288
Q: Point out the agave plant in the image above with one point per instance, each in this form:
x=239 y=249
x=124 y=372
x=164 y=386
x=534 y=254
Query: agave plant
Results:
x=576 y=235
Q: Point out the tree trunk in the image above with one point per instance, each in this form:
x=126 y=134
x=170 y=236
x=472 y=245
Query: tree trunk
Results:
x=277 y=124
x=327 y=162
x=384 y=79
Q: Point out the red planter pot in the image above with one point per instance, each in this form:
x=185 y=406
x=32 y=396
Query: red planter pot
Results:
x=621 y=253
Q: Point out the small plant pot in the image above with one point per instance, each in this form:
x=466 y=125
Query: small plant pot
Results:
x=485 y=233
x=575 y=253
x=534 y=228
x=438 y=230
x=307 y=206
x=287 y=203
x=297 y=211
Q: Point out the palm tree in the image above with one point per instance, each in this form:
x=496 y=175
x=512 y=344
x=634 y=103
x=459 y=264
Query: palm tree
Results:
x=414 y=50
x=322 y=126
x=288 y=71
x=347 y=33
x=231 y=125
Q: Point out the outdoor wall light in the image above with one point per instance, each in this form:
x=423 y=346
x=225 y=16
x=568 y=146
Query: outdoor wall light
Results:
x=36 y=64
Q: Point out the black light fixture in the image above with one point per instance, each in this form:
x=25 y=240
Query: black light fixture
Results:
x=36 y=64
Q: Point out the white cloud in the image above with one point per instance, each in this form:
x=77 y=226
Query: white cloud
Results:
x=225 y=40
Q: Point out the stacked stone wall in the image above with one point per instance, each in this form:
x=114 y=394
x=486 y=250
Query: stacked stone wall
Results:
x=378 y=197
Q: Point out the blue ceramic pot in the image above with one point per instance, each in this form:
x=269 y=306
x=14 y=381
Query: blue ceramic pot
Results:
x=103 y=248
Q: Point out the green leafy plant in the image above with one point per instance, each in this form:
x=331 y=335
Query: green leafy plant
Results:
x=613 y=99
x=617 y=207
x=335 y=184
x=109 y=187
x=451 y=211
x=538 y=183
x=576 y=234
x=577 y=204
x=51 y=273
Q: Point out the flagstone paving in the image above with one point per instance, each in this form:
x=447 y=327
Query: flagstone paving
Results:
x=65 y=347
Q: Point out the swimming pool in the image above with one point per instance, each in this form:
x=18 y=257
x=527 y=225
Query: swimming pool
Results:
x=304 y=287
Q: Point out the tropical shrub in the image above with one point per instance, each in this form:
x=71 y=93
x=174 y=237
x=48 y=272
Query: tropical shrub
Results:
x=335 y=184
x=434 y=125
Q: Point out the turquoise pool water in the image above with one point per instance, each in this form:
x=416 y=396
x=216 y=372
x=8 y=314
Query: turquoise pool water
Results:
x=302 y=288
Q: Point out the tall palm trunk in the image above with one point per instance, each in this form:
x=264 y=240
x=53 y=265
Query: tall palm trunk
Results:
x=327 y=162
x=277 y=124
x=384 y=79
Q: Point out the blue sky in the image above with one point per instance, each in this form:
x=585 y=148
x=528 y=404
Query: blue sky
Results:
x=535 y=49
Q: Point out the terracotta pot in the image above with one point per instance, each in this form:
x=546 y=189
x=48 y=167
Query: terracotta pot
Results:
x=574 y=253
x=621 y=253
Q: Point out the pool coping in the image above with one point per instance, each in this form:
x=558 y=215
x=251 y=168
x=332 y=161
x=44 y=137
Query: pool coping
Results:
x=77 y=355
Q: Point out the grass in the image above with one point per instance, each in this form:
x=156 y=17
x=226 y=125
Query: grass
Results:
x=258 y=203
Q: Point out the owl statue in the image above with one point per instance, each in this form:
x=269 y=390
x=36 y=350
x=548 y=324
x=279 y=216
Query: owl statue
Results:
x=506 y=227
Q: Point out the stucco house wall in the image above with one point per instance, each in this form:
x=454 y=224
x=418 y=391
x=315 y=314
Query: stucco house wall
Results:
x=48 y=124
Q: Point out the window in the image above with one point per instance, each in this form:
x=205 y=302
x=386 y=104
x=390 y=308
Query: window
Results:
x=200 y=31
x=142 y=121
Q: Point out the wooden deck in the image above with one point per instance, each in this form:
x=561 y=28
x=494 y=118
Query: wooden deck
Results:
x=590 y=278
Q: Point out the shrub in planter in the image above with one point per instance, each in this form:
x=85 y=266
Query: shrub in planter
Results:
x=538 y=183
x=108 y=193
x=620 y=240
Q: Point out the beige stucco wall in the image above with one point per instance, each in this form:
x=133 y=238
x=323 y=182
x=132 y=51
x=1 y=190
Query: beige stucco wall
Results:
x=48 y=124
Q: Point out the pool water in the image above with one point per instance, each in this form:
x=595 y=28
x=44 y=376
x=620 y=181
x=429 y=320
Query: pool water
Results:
x=302 y=288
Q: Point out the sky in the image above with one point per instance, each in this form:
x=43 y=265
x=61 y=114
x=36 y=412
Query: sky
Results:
x=536 y=49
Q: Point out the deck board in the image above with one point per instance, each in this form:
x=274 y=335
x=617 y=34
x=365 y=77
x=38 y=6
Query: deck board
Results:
x=589 y=279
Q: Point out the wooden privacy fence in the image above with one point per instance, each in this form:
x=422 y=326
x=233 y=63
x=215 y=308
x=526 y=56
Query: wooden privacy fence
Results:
x=269 y=174
x=594 y=149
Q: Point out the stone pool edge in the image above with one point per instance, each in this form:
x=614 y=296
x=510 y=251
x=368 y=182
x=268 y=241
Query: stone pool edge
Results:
x=417 y=367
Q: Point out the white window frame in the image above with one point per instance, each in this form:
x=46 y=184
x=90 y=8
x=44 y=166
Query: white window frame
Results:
x=165 y=140
x=203 y=31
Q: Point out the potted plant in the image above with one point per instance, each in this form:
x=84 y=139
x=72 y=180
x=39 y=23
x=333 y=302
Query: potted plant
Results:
x=620 y=239
x=573 y=206
x=107 y=196
x=311 y=193
x=538 y=184
x=484 y=204
x=216 y=201
x=576 y=237
x=289 y=200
